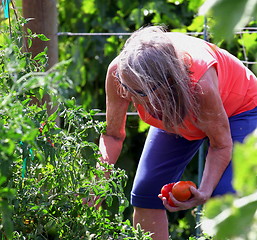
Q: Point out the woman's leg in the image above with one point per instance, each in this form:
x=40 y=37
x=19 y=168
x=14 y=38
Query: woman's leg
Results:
x=163 y=160
x=152 y=220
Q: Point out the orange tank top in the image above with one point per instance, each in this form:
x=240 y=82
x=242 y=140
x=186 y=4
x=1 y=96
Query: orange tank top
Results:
x=237 y=84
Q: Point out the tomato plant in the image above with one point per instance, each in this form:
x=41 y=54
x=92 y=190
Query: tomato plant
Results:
x=47 y=170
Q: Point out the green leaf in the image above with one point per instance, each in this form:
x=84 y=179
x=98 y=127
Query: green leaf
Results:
x=195 y=4
x=216 y=205
x=40 y=56
x=53 y=116
x=175 y=1
x=35 y=208
x=29 y=42
x=29 y=31
x=233 y=221
x=7 y=223
x=246 y=152
x=94 y=111
x=142 y=127
x=42 y=37
x=7 y=192
x=248 y=41
x=41 y=93
x=109 y=200
x=197 y=24
x=30 y=135
x=88 y=7
x=2 y=180
x=227 y=19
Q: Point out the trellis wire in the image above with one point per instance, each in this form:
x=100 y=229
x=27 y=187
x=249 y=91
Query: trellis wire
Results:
x=110 y=34
x=203 y=33
x=242 y=31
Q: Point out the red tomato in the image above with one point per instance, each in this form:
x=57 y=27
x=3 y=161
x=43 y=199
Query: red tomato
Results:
x=181 y=190
x=166 y=189
x=171 y=203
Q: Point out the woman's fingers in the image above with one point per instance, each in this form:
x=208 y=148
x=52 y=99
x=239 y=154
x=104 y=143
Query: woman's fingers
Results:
x=198 y=199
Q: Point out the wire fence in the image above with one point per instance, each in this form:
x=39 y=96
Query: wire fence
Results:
x=245 y=30
x=110 y=34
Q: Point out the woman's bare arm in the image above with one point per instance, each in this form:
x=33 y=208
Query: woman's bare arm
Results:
x=116 y=108
x=214 y=122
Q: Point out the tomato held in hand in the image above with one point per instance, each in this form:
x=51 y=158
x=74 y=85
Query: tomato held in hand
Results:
x=166 y=189
x=171 y=203
x=181 y=190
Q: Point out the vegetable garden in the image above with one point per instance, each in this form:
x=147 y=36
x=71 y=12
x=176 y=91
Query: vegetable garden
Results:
x=48 y=171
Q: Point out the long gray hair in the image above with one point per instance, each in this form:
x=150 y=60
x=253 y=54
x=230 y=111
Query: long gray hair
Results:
x=149 y=61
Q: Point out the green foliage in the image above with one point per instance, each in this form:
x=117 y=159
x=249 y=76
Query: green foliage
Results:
x=234 y=217
x=248 y=153
x=227 y=19
x=202 y=237
x=92 y=54
x=49 y=173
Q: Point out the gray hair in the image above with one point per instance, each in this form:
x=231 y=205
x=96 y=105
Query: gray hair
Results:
x=150 y=61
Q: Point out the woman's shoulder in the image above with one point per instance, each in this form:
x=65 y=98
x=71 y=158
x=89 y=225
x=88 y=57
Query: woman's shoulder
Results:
x=196 y=52
x=181 y=38
x=113 y=65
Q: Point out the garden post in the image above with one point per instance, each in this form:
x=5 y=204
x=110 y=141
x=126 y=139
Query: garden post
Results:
x=43 y=15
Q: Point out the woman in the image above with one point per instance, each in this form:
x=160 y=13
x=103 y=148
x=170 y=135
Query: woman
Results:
x=188 y=90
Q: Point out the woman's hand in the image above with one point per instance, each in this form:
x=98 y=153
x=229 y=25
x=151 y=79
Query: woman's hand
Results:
x=198 y=198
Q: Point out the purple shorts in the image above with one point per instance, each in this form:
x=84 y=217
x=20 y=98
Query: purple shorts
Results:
x=165 y=157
